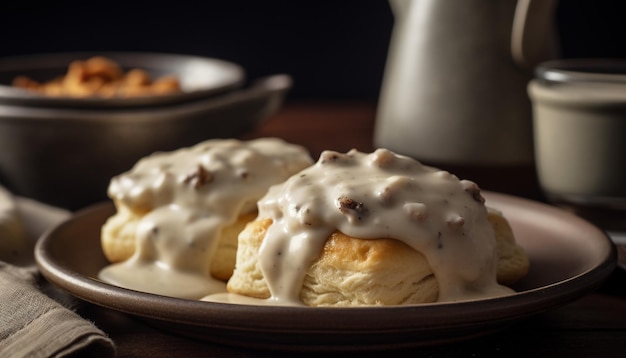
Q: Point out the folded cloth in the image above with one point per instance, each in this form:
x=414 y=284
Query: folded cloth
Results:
x=32 y=324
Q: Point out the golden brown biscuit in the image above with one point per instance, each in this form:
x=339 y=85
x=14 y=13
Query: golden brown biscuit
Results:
x=355 y=272
x=16 y=247
x=513 y=263
x=118 y=235
x=223 y=262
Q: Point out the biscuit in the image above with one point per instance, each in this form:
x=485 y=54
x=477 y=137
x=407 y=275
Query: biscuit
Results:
x=357 y=272
x=513 y=263
x=15 y=245
x=180 y=212
x=118 y=241
x=118 y=235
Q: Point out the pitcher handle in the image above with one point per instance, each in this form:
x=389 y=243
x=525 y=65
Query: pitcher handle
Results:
x=531 y=27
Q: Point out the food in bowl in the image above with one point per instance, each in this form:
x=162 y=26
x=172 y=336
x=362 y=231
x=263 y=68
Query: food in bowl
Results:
x=101 y=77
x=179 y=213
x=375 y=229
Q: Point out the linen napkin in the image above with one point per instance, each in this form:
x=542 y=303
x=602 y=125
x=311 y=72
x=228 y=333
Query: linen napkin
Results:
x=32 y=324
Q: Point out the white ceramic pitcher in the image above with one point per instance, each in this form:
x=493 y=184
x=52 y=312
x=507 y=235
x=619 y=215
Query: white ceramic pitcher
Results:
x=454 y=89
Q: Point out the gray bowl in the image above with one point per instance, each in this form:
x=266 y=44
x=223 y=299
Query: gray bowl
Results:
x=66 y=156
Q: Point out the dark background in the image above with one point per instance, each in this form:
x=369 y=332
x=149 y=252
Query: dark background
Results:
x=333 y=49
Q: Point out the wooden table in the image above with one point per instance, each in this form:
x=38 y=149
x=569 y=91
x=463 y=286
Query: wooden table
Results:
x=593 y=326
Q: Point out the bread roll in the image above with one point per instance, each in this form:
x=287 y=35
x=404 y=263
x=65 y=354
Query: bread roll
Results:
x=118 y=241
x=375 y=229
x=179 y=213
x=361 y=272
x=15 y=245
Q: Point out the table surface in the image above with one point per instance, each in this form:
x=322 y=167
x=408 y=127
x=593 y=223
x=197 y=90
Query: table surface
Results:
x=592 y=326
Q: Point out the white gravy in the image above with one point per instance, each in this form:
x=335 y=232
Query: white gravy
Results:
x=189 y=195
x=379 y=195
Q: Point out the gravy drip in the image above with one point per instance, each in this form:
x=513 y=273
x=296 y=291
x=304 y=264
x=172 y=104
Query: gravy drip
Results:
x=380 y=195
x=188 y=196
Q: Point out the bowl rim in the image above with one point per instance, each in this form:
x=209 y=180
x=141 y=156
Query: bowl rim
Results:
x=611 y=70
x=264 y=89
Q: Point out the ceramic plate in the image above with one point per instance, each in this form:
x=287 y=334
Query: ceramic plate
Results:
x=569 y=258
